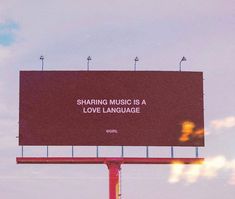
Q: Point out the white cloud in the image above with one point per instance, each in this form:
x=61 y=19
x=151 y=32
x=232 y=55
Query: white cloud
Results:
x=209 y=169
x=227 y=122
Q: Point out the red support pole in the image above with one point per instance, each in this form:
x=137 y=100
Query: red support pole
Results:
x=114 y=168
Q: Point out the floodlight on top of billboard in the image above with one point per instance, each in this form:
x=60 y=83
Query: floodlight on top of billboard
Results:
x=111 y=108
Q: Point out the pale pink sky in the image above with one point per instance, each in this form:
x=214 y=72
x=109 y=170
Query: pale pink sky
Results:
x=113 y=33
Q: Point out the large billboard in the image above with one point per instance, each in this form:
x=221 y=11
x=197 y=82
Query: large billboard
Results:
x=111 y=108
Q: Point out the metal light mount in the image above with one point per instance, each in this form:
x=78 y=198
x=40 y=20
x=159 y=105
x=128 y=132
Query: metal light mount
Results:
x=88 y=62
x=183 y=59
x=136 y=59
x=42 y=59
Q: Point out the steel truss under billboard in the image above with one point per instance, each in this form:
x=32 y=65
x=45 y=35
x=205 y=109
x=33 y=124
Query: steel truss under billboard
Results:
x=111 y=108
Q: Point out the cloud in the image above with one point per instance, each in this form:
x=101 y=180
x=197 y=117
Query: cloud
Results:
x=227 y=122
x=209 y=169
x=176 y=172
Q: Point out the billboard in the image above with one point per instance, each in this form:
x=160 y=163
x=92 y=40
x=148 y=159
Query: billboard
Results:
x=111 y=108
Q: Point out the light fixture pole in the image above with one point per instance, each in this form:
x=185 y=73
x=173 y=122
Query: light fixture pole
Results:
x=42 y=59
x=183 y=59
x=136 y=59
x=88 y=62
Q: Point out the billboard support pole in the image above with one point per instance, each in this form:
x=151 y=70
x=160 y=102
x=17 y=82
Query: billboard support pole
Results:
x=120 y=183
x=114 y=168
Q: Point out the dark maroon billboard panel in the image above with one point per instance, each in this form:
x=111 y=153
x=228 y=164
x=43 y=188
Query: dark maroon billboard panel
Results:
x=111 y=108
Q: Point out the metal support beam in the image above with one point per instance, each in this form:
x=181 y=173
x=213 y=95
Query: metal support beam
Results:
x=197 y=152
x=22 y=151
x=147 y=151
x=97 y=151
x=172 y=152
x=47 y=151
x=122 y=155
x=72 y=151
x=91 y=160
x=120 y=183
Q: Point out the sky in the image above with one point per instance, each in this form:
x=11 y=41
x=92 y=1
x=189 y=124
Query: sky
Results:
x=113 y=33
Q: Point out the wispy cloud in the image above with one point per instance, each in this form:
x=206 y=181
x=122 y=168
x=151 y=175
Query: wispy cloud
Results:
x=209 y=170
x=224 y=123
